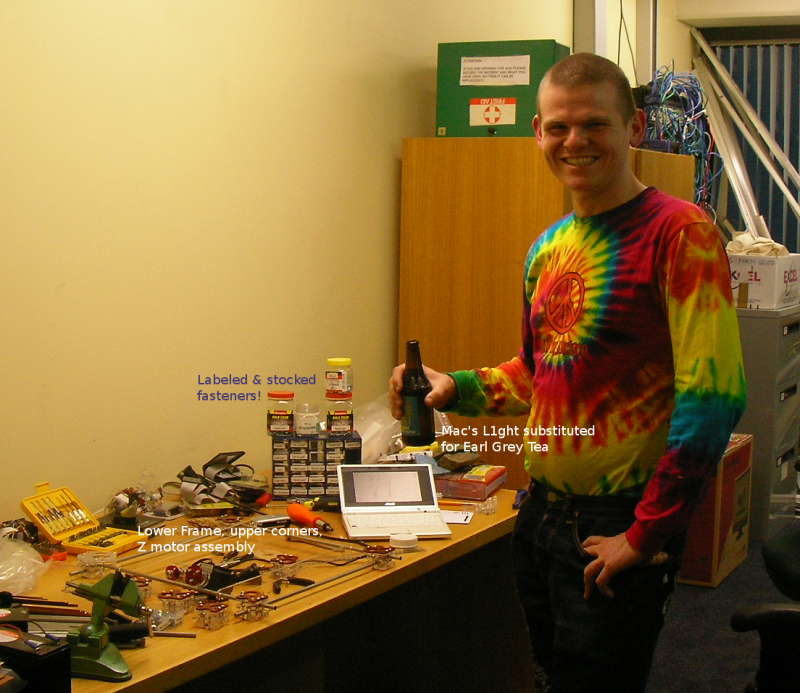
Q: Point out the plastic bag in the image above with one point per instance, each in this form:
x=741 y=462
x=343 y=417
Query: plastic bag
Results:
x=378 y=428
x=380 y=431
x=20 y=566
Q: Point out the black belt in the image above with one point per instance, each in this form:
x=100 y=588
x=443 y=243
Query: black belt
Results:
x=626 y=500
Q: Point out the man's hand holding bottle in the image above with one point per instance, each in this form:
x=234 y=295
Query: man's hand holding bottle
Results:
x=443 y=390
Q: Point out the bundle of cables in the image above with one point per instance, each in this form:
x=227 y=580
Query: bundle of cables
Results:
x=677 y=122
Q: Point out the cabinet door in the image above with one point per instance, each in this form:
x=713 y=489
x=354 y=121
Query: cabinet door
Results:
x=470 y=210
x=471 y=207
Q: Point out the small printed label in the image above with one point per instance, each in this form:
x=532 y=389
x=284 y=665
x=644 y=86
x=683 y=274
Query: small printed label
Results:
x=493 y=111
x=340 y=421
x=280 y=421
x=336 y=381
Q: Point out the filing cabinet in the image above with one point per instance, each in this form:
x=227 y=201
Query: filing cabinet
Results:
x=771 y=348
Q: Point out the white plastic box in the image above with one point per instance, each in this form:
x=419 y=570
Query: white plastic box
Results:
x=771 y=282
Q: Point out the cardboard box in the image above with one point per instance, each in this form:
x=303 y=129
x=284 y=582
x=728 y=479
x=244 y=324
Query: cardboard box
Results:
x=765 y=283
x=476 y=484
x=718 y=533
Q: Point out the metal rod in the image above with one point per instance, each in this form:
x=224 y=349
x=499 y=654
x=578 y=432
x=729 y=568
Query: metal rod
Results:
x=758 y=146
x=744 y=105
x=318 y=584
x=323 y=542
x=731 y=154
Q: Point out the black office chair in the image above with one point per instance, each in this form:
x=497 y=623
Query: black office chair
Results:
x=778 y=625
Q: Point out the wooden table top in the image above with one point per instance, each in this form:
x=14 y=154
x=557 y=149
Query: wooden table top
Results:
x=168 y=662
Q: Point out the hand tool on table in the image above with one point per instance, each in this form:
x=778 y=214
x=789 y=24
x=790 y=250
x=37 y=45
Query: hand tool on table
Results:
x=302 y=515
x=277 y=586
x=92 y=653
x=377 y=562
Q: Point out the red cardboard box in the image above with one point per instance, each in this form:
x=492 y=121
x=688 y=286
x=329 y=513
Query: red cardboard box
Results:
x=476 y=484
x=718 y=533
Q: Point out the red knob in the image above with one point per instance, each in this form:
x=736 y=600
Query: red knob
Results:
x=194 y=575
x=173 y=572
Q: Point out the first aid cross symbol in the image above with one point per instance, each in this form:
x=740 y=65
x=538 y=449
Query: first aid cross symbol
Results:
x=492 y=114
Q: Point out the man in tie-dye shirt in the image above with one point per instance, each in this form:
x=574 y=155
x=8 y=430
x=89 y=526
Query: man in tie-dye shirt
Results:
x=631 y=376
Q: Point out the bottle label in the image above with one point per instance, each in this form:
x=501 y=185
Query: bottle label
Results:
x=337 y=381
x=340 y=421
x=280 y=421
x=414 y=410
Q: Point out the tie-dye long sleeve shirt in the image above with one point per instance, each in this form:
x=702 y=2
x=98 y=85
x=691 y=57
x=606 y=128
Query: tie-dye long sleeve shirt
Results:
x=630 y=369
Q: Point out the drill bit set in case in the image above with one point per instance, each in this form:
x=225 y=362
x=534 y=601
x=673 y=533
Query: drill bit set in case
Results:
x=64 y=520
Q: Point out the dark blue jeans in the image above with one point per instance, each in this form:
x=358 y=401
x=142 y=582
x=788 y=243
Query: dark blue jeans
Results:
x=602 y=645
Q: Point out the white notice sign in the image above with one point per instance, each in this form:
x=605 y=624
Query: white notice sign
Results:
x=496 y=71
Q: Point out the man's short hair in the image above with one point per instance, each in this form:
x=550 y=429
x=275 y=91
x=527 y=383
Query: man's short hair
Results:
x=580 y=69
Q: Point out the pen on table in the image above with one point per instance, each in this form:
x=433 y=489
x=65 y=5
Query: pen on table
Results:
x=456 y=503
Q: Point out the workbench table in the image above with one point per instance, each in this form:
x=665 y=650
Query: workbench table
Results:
x=443 y=618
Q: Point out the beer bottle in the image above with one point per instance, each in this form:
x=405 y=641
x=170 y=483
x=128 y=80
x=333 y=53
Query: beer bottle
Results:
x=416 y=426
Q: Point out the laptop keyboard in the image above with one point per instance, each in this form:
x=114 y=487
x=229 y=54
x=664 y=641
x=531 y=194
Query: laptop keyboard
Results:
x=432 y=520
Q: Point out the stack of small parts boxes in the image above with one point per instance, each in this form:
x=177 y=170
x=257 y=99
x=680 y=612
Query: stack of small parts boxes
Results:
x=305 y=466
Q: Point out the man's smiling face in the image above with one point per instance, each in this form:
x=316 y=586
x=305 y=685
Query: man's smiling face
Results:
x=585 y=140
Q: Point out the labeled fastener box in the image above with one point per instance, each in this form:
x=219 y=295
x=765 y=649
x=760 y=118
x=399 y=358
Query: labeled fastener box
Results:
x=717 y=536
x=489 y=88
x=765 y=282
x=305 y=466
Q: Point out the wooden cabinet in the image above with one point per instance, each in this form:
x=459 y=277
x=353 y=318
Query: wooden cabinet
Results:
x=471 y=207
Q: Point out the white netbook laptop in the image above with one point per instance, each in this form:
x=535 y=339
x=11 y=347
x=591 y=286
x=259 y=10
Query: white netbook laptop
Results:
x=383 y=499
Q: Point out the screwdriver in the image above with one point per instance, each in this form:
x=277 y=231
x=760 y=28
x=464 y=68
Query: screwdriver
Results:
x=302 y=515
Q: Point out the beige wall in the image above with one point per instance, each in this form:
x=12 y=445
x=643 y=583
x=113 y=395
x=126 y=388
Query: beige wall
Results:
x=191 y=187
x=738 y=12
x=674 y=45
x=616 y=43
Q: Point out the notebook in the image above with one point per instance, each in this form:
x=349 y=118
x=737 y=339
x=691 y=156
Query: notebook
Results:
x=383 y=499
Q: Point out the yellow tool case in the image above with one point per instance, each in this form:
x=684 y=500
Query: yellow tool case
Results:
x=64 y=520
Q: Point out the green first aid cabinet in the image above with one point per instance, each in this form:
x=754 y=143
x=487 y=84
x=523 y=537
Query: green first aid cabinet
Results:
x=488 y=88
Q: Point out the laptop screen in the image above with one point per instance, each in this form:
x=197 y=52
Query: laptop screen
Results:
x=386 y=485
